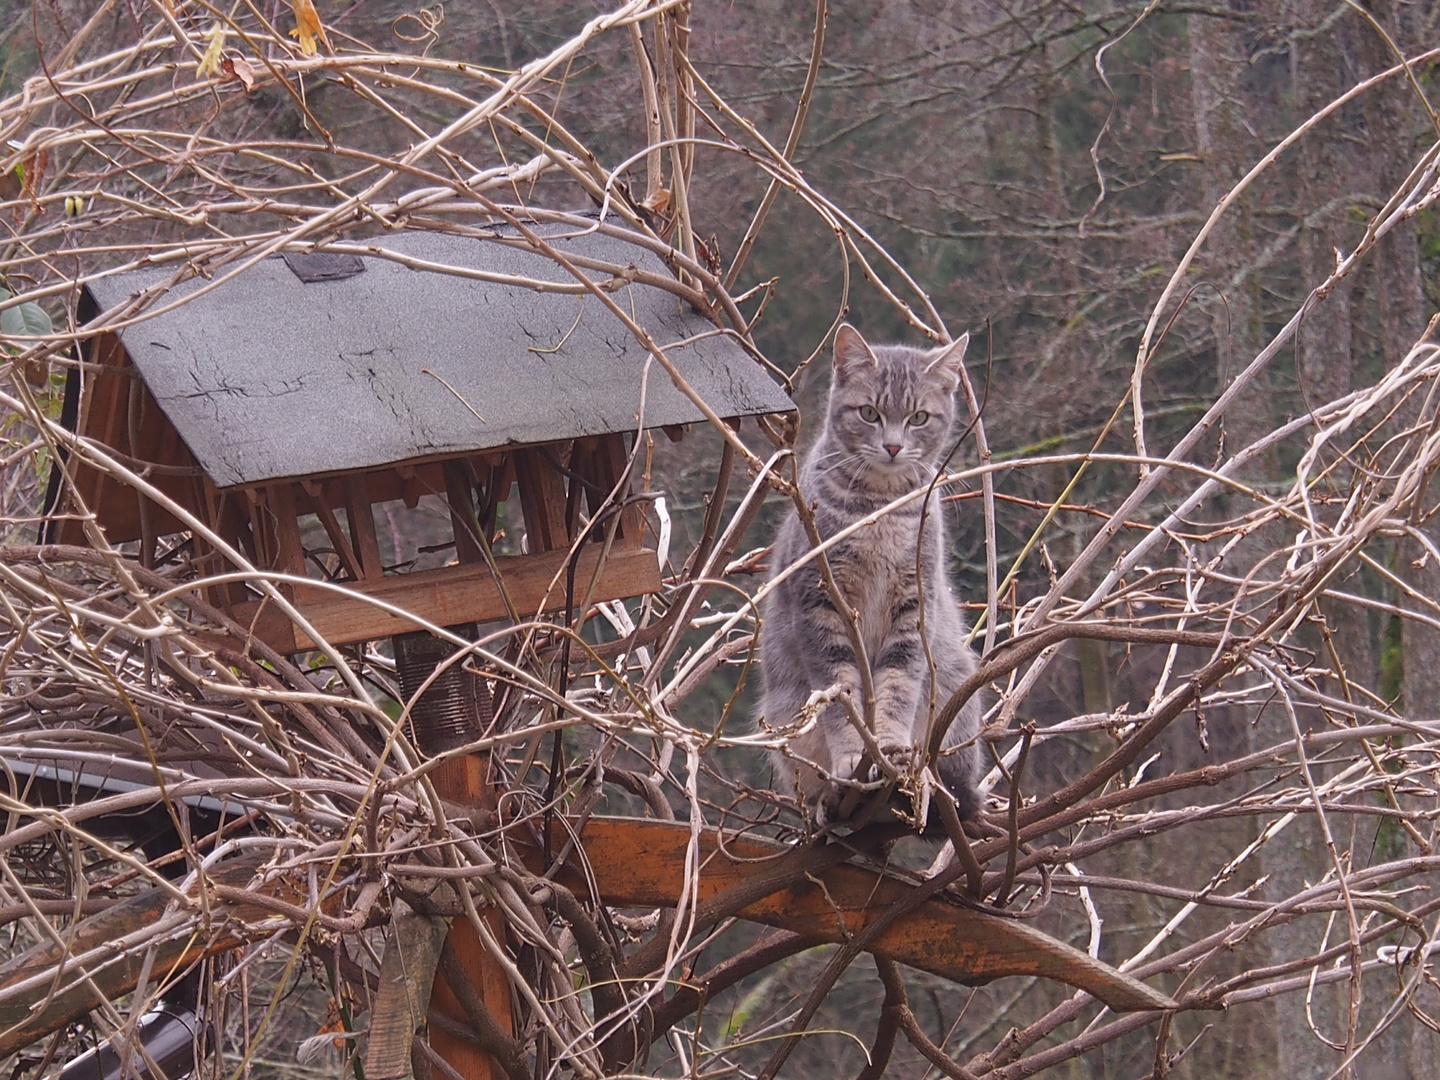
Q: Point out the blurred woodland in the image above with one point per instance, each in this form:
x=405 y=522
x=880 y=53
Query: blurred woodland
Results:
x=1196 y=248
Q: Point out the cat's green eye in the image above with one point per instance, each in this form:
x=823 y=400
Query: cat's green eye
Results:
x=869 y=414
x=919 y=418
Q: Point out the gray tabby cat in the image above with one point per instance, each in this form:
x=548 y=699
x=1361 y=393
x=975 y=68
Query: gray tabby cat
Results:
x=886 y=427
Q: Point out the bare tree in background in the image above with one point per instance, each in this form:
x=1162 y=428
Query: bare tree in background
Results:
x=1196 y=523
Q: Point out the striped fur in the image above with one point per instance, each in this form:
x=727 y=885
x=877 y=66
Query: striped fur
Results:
x=871 y=451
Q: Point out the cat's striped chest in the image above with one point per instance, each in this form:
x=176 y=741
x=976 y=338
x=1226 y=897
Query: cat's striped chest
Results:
x=876 y=573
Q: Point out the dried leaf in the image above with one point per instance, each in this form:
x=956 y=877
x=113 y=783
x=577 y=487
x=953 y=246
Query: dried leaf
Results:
x=37 y=373
x=35 y=166
x=240 y=68
x=308 y=27
x=214 y=52
x=659 y=202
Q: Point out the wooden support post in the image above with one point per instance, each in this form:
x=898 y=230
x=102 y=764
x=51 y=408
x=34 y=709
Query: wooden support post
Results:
x=542 y=498
x=610 y=458
x=289 y=554
x=499 y=476
x=362 y=526
x=410 y=486
x=264 y=545
x=333 y=530
x=219 y=512
x=465 y=781
x=463 y=521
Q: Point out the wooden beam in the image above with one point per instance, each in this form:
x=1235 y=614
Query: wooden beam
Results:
x=497 y=478
x=642 y=863
x=221 y=512
x=264 y=548
x=611 y=457
x=331 y=523
x=451 y=595
x=290 y=554
x=466 y=781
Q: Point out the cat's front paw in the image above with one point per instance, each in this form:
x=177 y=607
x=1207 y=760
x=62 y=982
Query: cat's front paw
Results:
x=839 y=797
x=826 y=805
x=845 y=767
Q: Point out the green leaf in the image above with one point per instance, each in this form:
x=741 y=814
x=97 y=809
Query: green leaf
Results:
x=26 y=320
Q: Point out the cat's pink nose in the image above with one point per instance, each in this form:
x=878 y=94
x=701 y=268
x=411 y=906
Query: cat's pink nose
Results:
x=892 y=450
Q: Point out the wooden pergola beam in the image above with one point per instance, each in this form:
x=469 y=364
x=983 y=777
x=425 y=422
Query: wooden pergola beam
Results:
x=641 y=863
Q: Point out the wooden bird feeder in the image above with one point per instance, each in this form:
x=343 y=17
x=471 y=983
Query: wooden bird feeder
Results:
x=353 y=385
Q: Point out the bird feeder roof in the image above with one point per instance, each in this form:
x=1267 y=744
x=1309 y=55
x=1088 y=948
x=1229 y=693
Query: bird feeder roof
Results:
x=267 y=375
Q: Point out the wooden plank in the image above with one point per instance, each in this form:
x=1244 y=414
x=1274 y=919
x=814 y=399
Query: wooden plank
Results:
x=103 y=417
x=642 y=863
x=450 y=595
x=104 y=387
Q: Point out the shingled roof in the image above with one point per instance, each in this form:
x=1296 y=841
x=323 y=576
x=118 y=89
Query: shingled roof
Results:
x=268 y=376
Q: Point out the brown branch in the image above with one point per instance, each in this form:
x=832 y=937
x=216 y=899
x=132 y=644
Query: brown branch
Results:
x=888 y=1025
x=622 y=1046
x=905 y=1019
x=696 y=990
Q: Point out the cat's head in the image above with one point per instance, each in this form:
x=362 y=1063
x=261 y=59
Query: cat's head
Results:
x=892 y=406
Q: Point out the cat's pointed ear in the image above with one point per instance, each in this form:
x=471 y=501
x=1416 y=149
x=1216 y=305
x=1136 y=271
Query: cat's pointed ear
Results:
x=949 y=360
x=851 y=353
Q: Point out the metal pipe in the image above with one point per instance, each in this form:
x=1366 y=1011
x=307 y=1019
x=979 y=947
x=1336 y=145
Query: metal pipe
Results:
x=174 y=1039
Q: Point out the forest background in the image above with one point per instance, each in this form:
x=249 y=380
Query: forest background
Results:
x=1040 y=168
